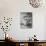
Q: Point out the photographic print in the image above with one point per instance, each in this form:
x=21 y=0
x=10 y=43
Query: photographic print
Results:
x=26 y=20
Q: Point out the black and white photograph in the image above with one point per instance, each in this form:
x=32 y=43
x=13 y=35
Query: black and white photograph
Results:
x=26 y=20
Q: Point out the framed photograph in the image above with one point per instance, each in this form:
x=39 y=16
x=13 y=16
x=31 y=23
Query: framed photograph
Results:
x=26 y=20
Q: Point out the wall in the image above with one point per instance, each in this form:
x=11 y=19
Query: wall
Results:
x=12 y=8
